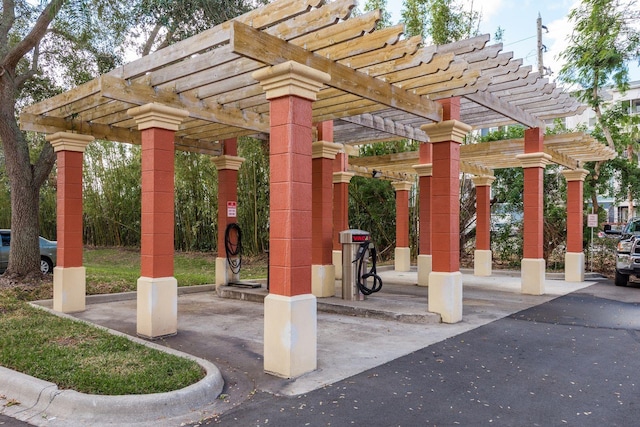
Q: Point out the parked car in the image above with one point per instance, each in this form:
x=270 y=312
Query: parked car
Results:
x=627 y=252
x=48 y=251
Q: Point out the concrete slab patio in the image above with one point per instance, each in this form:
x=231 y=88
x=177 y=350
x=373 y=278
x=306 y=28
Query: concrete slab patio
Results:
x=353 y=336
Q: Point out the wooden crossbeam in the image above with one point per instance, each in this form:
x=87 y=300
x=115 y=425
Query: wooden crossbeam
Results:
x=48 y=124
x=266 y=48
x=515 y=113
x=140 y=94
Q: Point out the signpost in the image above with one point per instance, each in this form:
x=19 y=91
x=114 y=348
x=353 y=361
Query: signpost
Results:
x=592 y=222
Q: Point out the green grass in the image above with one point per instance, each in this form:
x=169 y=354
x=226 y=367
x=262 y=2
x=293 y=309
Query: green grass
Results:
x=78 y=356
x=112 y=270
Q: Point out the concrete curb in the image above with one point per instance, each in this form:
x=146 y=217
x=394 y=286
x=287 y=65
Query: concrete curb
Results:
x=42 y=403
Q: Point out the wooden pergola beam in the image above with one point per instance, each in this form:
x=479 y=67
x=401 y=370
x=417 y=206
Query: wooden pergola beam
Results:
x=495 y=104
x=272 y=50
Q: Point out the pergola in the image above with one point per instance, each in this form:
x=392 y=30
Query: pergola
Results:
x=313 y=79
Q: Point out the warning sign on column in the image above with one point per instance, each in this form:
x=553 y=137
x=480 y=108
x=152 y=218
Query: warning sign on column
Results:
x=232 y=209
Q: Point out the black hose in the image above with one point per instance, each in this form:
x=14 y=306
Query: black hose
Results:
x=362 y=278
x=233 y=249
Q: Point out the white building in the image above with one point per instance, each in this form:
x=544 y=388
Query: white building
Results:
x=617 y=212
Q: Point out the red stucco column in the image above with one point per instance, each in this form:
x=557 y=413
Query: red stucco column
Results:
x=445 y=281
x=69 y=275
x=157 y=289
x=227 y=165
x=533 y=161
x=425 y=173
x=402 y=255
x=482 y=258
x=323 y=273
x=574 y=257
x=341 y=179
x=290 y=317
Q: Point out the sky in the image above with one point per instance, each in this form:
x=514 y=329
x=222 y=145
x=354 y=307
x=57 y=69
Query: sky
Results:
x=518 y=20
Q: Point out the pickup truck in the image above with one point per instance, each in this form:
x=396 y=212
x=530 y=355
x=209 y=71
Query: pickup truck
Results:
x=627 y=252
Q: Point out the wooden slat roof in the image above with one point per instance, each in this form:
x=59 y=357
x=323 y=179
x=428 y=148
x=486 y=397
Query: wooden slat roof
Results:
x=383 y=86
x=569 y=150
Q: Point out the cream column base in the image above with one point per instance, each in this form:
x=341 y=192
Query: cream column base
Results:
x=323 y=281
x=445 y=295
x=424 y=269
x=157 y=311
x=402 y=260
x=533 y=276
x=224 y=275
x=574 y=266
x=336 y=256
x=482 y=260
x=69 y=289
x=290 y=335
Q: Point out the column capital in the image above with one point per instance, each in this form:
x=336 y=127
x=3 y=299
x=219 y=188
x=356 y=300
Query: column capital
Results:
x=484 y=180
x=325 y=150
x=155 y=115
x=575 y=174
x=402 y=185
x=424 y=170
x=67 y=141
x=227 y=162
x=534 y=160
x=291 y=78
x=448 y=130
x=342 y=177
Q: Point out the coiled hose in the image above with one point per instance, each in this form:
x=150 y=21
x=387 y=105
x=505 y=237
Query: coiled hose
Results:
x=360 y=262
x=233 y=250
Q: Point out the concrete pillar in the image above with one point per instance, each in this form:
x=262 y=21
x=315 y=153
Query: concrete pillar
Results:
x=574 y=257
x=533 y=161
x=323 y=272
x=69 y=275
x=290 y=315
x=157 y=296
x=402 y=261
x=482 y=259
x=341 y=179
x=445 y=281
x=425 y=173
x=227 y=165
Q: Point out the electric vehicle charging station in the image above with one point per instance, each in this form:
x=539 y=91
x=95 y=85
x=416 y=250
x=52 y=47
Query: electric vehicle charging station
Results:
x=357 y=252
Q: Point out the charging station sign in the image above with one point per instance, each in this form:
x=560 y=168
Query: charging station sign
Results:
x=232 y=209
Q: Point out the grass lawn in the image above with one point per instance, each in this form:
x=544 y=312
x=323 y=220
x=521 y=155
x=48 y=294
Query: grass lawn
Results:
x=87 y=359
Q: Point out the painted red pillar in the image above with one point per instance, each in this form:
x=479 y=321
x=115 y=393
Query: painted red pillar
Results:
x=425 y=173
x=341 y=179
x=157 y=289
x=227 y=165
x=482 y=258
x=574 y=257
x=324 y=151
x=445 y=281
x=533 y=162
x=290 y=317
x=402 y=256
x=69 y=275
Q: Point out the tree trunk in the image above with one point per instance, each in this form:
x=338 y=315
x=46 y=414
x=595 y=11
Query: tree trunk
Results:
x=25 y=181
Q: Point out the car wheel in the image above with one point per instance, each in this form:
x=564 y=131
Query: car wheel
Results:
x=46 y=266
x=621 y=279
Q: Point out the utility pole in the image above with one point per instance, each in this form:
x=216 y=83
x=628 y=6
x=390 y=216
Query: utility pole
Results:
x=540 y=46
x=544 y=71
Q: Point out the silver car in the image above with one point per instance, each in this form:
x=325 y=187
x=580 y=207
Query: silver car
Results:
x=48 y=250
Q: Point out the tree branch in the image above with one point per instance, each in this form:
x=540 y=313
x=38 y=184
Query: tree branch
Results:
x=8 y=18
x=146 y=50
x=22 y=78
x=42 y=169
x=35 y=35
